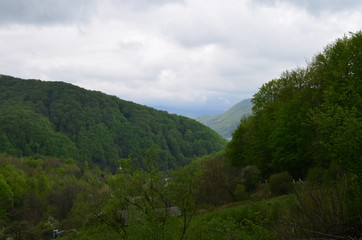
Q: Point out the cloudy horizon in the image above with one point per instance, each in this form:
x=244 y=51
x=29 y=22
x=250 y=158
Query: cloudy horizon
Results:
x=187 y=56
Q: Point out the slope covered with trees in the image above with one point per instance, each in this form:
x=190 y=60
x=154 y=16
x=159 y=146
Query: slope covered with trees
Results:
x=226 y=123
x=306 y=124
x=62 y=120
x=308 y=118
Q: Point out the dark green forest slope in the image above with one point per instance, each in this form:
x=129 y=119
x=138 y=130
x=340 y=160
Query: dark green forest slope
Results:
x=226 y=123
x=62 y=120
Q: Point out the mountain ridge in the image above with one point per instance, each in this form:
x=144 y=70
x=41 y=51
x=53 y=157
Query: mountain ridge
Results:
x=63 y=120
x=226 y=123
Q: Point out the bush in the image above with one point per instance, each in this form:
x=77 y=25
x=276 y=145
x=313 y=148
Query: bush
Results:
x=320 y=175
x=328 y=211
x=281 y=183
x=250 y=176
x=240 y=192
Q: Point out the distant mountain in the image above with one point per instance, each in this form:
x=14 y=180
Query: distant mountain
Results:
x=187 y=111
x=61 y=120
x=226 y=123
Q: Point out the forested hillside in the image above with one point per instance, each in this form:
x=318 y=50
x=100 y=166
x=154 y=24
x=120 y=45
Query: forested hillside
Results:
x=309 y=118
x=293 y=169
x=62 y=120
x=226 y=123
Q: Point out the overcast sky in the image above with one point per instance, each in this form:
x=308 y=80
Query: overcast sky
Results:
x=198 y=56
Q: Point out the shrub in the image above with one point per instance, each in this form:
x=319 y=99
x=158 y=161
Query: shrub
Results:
x=240 y=192
x=320 y=175
x=328 y=211
x=250 y=177
x=281 y=183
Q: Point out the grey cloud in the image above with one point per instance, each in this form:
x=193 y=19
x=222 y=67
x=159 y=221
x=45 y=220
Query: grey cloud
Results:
x=316 y=7
x=142 y=4
x=132 y=46
x=44 y=11
x=224 y=50
x=199 y=35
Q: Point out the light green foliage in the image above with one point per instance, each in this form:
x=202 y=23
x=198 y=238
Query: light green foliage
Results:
x=6 y=197
x=15 y=178
x=34 y=190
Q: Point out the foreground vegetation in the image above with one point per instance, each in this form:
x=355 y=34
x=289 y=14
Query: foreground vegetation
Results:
x=291 y=171
x=40 y=194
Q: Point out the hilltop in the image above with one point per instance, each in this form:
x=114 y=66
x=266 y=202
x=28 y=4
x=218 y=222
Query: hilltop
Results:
x=62 y=120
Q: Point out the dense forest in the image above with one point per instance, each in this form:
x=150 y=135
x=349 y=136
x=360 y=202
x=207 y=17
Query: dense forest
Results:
x=61 y=120
x=308 y=118
x=291 y=171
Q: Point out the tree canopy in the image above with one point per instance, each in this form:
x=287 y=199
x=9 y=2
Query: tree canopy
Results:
x=309 y=117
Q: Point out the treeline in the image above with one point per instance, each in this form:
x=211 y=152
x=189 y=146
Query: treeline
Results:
x=309 y=121
x=62 y=120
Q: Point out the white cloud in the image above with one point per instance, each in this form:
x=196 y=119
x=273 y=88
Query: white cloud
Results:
x=191 y=54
